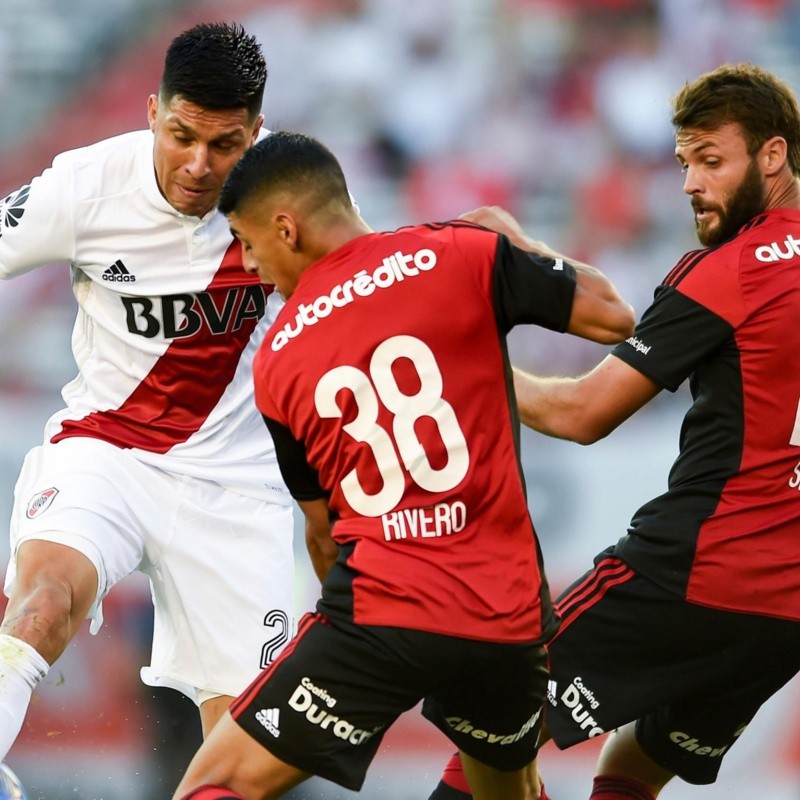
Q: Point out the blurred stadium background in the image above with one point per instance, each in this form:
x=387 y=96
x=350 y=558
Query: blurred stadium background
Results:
x=556 y=109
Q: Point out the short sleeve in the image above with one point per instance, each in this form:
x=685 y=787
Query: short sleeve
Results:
x=36 y=223
x=531 y=289
x=675 y=334
x=298 y=475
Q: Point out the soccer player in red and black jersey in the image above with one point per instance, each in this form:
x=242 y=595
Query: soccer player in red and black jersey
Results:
x=394 y=414
x=689 y=623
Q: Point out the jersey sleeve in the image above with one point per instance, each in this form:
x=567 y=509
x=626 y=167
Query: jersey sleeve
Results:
x=36 y=223
x=531 y=289
x=675 y=334
x=301 y=479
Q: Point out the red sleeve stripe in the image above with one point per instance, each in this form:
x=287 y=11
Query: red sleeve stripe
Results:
x=609 y=572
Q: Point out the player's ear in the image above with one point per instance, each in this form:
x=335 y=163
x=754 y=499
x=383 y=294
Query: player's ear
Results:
x=774 y=153
x=152 y=111
x=287 y=229
x=256 y=128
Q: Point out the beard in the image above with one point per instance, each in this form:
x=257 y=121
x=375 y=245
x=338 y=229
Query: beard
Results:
x=745 y=202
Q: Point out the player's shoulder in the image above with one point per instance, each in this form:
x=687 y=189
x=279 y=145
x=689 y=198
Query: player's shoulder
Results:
x=772 y=237
x=107 y=166
x=456 y=226
x=767 y=237
x=450 y=231
x=104 y=150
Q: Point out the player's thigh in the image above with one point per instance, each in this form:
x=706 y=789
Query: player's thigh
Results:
x=692 y=735
x=488 y=701
x=232 y=758
x=488 y=783
x=46 y=568
x=326 y=702
x=596 y=657
x=85 y=495
x=222 y=577
x=626 y=647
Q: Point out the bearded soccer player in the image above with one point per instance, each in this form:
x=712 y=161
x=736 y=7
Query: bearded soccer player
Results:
x=686 y=626
x=386 y=385
x=159 y=461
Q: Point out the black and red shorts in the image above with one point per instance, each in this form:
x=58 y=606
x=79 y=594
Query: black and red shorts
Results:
x=326 y=702
x=691 y=677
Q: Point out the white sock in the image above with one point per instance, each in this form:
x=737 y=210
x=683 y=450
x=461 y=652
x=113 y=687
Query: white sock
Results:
x=21 y=668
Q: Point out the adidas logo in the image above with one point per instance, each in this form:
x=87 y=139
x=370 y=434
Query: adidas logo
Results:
x=552 y=689
x=269 y=718
x=118 y=273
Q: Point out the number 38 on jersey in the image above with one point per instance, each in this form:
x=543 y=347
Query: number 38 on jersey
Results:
x=402 y=442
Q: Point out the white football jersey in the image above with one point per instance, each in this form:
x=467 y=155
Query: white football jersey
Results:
x=168 y=320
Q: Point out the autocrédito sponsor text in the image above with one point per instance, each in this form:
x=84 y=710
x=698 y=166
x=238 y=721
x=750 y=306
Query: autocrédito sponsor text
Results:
x=393 y=269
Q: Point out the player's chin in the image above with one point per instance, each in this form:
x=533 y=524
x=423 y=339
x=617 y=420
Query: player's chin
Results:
x=705 y=232
x=194 y=204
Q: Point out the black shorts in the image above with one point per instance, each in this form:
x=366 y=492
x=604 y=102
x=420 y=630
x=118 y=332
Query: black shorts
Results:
x=692 y=677
x=326 y=702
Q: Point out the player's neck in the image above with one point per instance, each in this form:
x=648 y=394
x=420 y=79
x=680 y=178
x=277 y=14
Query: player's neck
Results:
x=340 y=231
x=784 y=194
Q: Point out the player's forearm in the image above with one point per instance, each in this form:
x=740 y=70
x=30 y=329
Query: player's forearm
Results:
x=323 y=554
x=555 y=407
x=599 y=312
x=322 y=550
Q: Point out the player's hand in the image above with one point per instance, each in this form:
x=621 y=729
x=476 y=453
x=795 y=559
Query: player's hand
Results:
x=496 y=219
x=499 y=220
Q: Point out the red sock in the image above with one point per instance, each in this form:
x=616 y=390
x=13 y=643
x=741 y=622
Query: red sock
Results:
x=543 y=793
x=208 y=792
x=453 y=775
x=614 y=787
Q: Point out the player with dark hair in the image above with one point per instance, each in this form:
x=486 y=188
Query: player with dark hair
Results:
x=159 y=461
x=386 y=386
x=215 y=66
x=688 y=624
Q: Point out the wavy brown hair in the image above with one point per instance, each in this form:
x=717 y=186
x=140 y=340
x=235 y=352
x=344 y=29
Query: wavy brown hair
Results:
x=761 y=104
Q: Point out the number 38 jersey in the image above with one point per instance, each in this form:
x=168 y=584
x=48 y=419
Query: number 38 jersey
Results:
x=386 y=384
x=168 y=320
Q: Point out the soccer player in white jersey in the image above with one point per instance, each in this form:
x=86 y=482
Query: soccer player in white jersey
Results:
x=159 y=461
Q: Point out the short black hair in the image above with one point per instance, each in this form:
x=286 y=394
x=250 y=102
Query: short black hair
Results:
x=215 y=65
x=285 y=161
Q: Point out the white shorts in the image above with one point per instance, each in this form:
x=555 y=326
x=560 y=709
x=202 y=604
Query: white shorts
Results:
x=220 y=564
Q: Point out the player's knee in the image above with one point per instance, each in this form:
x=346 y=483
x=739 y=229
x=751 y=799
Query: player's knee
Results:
x=47 y=603
x=40 y=614
x=58 y=575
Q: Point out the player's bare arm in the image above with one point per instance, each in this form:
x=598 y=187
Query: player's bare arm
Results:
x=583 y=409
x=322 y=550
x=599 y=312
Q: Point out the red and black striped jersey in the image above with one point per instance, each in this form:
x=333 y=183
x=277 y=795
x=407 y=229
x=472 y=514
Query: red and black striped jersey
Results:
x=386 y=383
x=726 y=534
